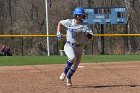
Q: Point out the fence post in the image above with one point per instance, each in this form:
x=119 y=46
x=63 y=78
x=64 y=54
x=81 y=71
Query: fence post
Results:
x=102 y=39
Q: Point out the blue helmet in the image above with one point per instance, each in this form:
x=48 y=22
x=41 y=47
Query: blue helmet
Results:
x=78 y=10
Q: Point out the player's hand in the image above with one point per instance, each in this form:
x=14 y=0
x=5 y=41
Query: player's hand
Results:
x=58 y=35
x=89 y=36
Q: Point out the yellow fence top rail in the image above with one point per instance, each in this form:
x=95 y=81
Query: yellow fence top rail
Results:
x=45 y=35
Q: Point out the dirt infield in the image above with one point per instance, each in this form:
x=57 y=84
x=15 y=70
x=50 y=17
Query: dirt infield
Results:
x=89 y=78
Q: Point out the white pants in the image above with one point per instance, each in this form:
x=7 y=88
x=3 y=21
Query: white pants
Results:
x=74 y=54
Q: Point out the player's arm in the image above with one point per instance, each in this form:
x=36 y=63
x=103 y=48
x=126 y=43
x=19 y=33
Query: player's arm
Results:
x=62 y=23
x=59 y=27
x=89 y=33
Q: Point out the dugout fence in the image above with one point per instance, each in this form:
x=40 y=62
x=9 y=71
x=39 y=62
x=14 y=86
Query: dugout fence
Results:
x=27 y=44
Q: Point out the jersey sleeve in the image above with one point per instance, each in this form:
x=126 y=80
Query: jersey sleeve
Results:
x=65 y=23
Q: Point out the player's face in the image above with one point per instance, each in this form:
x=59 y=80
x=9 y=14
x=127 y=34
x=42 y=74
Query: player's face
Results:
x=79 y=16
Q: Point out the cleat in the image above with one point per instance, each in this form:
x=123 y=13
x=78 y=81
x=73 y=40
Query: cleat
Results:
x=62 y=77
x=69 y=83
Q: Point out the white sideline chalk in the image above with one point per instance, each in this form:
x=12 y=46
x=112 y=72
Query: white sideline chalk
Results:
x=81 y=66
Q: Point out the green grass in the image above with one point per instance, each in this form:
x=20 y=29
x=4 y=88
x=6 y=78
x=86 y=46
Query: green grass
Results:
x=111 y=58
x=39 y=60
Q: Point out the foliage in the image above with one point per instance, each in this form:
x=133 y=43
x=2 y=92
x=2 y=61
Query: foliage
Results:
x=28 y=17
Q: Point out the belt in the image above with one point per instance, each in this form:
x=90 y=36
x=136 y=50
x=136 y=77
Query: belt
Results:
x=73 y=44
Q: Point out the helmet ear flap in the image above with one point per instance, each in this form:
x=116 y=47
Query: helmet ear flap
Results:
x=75 y=16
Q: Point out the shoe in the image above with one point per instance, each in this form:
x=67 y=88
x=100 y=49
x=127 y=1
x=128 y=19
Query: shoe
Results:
x=62 y=77
x=69 y=83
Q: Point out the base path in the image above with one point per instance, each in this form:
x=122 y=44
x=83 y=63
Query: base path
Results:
x=113 y=77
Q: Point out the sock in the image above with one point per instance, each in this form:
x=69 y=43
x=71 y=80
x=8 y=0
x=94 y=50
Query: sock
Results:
x=68 y=66
x=71 y=72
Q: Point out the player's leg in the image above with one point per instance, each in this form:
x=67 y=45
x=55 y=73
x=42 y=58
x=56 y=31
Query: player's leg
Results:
x=78 y=53
x=69 y=51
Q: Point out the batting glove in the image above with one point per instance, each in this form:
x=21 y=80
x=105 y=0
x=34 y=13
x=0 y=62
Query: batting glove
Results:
x=58 y=35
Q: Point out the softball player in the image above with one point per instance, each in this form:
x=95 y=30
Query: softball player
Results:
x=77 y=34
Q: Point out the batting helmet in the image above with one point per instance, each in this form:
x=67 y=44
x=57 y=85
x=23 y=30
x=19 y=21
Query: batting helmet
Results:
x=78 y=10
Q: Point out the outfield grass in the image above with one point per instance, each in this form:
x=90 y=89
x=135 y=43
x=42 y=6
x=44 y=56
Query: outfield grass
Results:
x=39 y=60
